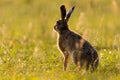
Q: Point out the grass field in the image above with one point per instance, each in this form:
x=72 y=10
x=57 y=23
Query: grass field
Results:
x=28 y=49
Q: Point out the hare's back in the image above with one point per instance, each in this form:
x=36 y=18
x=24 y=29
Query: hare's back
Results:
x=75 y=37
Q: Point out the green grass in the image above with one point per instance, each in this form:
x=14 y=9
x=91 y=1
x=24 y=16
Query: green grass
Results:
x=28 y=49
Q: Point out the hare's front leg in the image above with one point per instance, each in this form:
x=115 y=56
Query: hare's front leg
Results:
x=66 y=60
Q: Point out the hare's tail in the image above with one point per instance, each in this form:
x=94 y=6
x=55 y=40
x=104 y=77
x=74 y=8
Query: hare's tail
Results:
x=95 y=64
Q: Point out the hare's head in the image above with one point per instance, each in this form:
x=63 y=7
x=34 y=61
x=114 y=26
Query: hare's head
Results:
x=62 y=23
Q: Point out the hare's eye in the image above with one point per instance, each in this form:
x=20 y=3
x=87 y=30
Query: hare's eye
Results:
x=58 y=23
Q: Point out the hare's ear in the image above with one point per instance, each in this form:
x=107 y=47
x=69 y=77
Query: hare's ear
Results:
x=69 y=13
x=63 y=12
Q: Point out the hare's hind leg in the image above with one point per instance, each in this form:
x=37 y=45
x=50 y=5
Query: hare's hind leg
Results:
x=66 y=60
x=76 y=59
x=87 y=65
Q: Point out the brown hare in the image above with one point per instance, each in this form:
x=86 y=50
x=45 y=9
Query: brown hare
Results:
x=72 y=44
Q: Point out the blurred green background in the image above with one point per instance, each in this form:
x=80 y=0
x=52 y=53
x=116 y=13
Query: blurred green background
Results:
x=28 y=49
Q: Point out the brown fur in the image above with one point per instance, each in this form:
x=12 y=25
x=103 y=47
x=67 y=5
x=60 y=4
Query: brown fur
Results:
x=72 y=44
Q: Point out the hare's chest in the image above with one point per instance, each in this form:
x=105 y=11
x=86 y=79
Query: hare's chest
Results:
x=65 y=44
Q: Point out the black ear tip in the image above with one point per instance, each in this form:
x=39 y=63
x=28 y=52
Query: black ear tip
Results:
x=62 y=6
x=73 y=7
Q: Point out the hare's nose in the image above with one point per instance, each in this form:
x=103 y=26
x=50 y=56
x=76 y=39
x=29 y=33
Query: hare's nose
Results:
x=55 y=27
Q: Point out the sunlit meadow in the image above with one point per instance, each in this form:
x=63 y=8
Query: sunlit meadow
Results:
x=28 y=49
